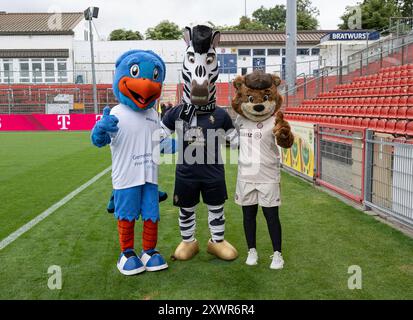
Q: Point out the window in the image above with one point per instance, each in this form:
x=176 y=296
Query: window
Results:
x=49 y=70
x=244 y=52
x=303 y=52
x=24 y=70
x=315 y=52
x=258 y=52
x=62 y=70
x=244 y=71
x=227 y=63
x=37 y=70
x=7 y=71
x=284 y=51
x=273 y=52
x=258 y=64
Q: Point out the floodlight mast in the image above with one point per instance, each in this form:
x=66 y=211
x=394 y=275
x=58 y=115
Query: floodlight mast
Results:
x=291 y=46
x=90 y=13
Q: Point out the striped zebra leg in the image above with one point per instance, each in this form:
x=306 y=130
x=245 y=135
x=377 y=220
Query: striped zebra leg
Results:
x=187 y=223
x=216 y=221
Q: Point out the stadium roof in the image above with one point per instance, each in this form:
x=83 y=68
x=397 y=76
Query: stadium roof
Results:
x=270 y=37
x=38 y=23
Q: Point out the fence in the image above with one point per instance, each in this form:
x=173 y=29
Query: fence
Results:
x=340 y=160
x=369 y=167
x=389 y=175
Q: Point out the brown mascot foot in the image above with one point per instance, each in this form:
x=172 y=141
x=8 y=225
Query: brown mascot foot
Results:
x=186 y=250
x=222 y=250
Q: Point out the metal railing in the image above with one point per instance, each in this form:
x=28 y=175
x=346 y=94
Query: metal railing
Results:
x=386 y=53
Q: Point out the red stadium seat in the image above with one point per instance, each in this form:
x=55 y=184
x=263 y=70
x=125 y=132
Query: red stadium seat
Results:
x=381 y=125
x=409 y=113
x=384 y=112
x=401 y=127
x=403 y=101
x=365 y=122
x=373 y=123
x=392 y=112
x=390 y=126
x=409 y=128
x=377 y=112
x=370 y=111
x=410 y=101
x=401 y=112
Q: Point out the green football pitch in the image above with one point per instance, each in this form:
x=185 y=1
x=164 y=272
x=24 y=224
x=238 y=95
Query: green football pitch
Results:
x=322 y=237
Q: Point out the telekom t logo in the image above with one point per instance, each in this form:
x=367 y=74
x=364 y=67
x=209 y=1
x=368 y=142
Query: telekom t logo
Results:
x=63 y=121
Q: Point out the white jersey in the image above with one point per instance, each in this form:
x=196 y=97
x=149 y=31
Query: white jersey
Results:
x=259 y=157
x=135 y=156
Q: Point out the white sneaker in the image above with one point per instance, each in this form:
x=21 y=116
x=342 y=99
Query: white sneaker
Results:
x=252 y=259
x=277 y=261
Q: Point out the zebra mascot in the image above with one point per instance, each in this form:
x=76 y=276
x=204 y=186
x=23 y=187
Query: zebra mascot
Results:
x=201 y=127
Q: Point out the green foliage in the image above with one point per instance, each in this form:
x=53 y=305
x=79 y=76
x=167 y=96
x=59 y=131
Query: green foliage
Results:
x=376 y=14
x=274 y=18
x=165 y=30
x=307 y=15
x=122 y=34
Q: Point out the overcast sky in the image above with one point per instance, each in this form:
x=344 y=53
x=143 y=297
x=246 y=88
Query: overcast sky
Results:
x=141 y=14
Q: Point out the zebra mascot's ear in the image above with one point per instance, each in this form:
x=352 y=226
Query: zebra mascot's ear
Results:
x=215 y=39
x=187 y=36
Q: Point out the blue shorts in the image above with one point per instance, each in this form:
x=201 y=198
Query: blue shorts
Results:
x=141 y=200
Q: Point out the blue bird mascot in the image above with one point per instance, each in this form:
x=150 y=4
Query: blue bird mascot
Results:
x=132 y=130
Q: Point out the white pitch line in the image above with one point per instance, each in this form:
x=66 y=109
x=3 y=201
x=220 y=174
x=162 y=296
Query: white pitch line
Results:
x=16 y=234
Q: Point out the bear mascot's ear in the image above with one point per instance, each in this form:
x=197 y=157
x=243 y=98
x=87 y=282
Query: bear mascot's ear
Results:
x=238 y=82
x=276 y=80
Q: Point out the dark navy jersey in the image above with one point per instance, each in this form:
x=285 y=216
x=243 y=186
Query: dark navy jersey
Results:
x=200 y=143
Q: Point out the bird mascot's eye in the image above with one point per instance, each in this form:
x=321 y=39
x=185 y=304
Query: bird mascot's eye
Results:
x=265 y=98
x=134 y=71
x=155 y=74
x=191 y=57
x=251 y=99
x=210 y=58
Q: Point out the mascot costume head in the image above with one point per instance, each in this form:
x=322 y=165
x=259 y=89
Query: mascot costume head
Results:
x=138 y=79
x=200 y=68
x=257 y=99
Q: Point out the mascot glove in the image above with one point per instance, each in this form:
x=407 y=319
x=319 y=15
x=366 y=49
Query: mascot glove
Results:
x=282 y=131
x=107 y=124
x=168 y=146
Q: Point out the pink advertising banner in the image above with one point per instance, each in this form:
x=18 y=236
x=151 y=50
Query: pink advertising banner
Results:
x=48 y=122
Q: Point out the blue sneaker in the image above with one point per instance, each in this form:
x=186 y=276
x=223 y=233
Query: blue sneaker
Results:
x=129 y=263
x=153 y=261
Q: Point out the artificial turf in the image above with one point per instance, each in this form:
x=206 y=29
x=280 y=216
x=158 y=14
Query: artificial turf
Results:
x=322 y=237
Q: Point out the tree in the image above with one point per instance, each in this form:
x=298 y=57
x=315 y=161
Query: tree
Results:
x=273 y=18
x=406 y=7
x=165 y=30
x=122 y=34
x=307 y=15
x=375 y=14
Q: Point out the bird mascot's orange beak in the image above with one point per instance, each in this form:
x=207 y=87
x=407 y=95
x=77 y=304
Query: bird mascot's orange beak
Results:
x=141 y=91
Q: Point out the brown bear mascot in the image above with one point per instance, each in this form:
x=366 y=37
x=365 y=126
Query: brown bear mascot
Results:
x=261 y=127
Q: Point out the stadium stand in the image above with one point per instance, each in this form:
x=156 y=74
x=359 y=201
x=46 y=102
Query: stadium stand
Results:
x=381 y=101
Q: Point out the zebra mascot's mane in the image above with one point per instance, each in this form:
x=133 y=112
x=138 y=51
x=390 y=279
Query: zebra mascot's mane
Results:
x=200 y=68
